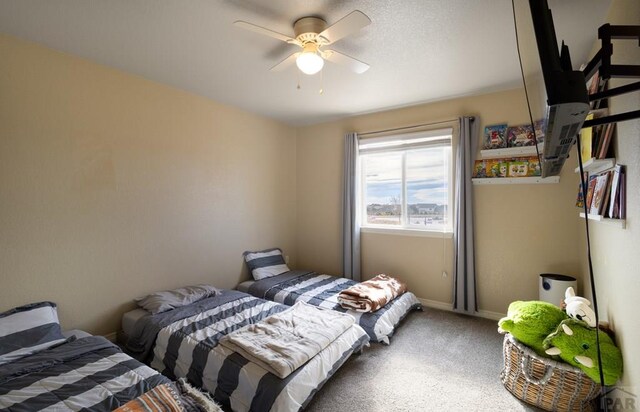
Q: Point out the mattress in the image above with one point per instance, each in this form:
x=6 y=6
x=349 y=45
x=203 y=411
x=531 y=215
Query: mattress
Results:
x=322 y=291
x=185 y=344
x=130 y=318
x=245 y=286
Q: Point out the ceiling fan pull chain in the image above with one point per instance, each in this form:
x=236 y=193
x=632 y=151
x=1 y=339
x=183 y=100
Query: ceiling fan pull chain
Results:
x=298 y=71
x=321 y=82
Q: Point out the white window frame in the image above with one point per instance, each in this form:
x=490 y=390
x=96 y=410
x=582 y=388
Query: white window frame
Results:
x=403 y=143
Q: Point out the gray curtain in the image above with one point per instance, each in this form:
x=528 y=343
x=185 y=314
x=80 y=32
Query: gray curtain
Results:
x=350 y=223
x=464 y=271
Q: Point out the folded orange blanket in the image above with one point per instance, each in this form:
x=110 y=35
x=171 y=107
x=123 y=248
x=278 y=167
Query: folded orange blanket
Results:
x=171 y=397
x=162 y=398
x=371 y=295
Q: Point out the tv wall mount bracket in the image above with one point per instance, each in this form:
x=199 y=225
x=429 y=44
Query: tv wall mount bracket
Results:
x=602 y=62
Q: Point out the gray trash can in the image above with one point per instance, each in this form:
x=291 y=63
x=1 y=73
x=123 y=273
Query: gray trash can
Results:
x=553 y=286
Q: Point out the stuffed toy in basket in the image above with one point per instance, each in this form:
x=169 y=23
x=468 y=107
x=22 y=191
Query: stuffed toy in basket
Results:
x=550 y=357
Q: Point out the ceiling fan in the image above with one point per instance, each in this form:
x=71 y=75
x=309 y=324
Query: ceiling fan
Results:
x=312 y=35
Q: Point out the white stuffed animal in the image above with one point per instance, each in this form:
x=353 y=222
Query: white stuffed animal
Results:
x=579 y=308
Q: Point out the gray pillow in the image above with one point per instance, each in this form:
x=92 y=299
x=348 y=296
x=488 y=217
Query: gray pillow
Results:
x=163 y=301
x=28 y=329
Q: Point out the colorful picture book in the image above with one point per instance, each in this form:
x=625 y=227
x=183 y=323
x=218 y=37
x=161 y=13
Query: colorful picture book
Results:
x=539 y=126
x=491 y=168
x=580 y=198
x=605 y=194
x=512 y=167
x=495 y=136
x=518 y=169
x=599 y=194
x=595 y=141
x=534 y=168
x=518 y=136
x=586 y=137
x=590 y=187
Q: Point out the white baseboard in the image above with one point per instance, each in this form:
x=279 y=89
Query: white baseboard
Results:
x=491 y=315
x=449 y=307
x=435 y=304
x=111 y=336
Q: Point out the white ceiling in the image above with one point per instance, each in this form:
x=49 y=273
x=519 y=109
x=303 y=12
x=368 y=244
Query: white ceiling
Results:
x=419 y=50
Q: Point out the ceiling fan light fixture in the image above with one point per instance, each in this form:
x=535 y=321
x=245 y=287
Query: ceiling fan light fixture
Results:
x=309 y=61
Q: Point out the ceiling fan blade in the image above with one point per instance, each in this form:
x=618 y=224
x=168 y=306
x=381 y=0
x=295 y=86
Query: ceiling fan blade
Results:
x=262 y=30
x=350 y=23
x=339 y=58
x=285 y=63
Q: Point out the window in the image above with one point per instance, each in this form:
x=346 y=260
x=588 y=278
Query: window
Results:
x=406 y=181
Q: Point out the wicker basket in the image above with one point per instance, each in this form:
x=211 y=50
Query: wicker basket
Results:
x=545 y=383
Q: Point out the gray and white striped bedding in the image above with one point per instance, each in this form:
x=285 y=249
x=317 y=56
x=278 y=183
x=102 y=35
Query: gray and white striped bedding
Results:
x=322 y=291
x=265 y=263
x=28 y=329
x=87 y=374
x=188 y=347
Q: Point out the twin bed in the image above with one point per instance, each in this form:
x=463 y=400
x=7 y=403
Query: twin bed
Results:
x=322 y=291
x=43 y=369
x=183 y=342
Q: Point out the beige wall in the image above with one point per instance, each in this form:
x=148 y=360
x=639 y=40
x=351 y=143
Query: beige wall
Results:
x=521 y=230
x=615 y=252
x=112 y=186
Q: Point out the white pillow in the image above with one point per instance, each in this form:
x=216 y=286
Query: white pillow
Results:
x=28 y=329
x=163 y=301
x=266 y=263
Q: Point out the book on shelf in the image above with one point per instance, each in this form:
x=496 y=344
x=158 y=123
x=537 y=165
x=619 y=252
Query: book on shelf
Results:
x=507 y=167
x=593 y=83
x=606 y=141
x=607 y=195
x=586 y=138
x=622 y=214
x=590 y=187
x=522 y=135
x=614 y=204
x=580 y=198
x=599 y=194
x=495 y=136
x=595 y=141
x=539 y=127
x=596 y=85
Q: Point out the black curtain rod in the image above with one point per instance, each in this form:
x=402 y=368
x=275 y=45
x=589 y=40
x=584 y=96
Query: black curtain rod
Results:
x=407 y=127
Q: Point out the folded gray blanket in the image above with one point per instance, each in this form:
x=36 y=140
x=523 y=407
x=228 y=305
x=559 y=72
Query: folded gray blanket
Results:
x=285 y=341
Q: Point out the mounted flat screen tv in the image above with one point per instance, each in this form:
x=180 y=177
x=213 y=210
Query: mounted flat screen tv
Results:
x=567 y=97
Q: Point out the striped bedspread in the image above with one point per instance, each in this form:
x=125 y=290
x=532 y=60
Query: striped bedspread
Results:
x=88 y=374
x=322 y=290
x=189 y=348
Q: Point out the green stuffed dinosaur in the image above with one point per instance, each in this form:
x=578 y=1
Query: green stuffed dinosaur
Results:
x=531 y=322
x=575 y=343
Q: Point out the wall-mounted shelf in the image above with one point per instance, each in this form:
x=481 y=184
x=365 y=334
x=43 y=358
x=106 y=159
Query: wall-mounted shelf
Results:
x=621 y=223
x=595 y=166
x=515 y=180
x=522 y=151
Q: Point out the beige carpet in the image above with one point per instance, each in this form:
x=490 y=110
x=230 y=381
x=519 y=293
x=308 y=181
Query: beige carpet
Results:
x=437 y=361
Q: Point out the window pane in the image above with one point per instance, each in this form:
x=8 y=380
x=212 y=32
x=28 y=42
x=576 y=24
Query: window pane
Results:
x=428 y=188
x=383 y=188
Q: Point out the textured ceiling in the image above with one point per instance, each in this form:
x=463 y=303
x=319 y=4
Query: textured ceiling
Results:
x=419 y=50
